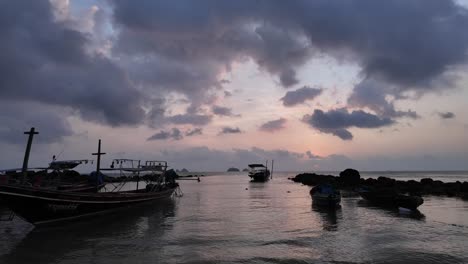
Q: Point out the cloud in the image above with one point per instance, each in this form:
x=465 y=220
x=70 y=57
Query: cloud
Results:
x=163 y=48
x=174 y=134
x=372 y=94
x=192 y=119
x=446 y=115
x=230 y=130
x=222 y=111
x=273 y=125
x=207 y=159
x=280 y=36
x=46 y=61
x=310 y=155
x=193 y=132
x=19 y=117
x=336 y=122
x=301 y=95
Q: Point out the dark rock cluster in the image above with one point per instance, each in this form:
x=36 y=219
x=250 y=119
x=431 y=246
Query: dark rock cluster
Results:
x=350 y=179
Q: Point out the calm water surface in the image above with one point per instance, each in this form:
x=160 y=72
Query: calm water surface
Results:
x=227 y=219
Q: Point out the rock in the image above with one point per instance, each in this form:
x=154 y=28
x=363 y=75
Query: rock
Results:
x=314 y=179
x=385 y=182
x=464 y=187
x=233 y=170
x=426 y=181
x=245 y=170
x=350 y=177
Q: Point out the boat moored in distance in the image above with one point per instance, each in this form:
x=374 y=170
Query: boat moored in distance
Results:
x=325 y=195
x=259 y=172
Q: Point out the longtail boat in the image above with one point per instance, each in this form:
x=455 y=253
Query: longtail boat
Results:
x=43 y=206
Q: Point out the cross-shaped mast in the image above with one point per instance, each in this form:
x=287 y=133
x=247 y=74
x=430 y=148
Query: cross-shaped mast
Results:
x=98 y=163
x=31 y=134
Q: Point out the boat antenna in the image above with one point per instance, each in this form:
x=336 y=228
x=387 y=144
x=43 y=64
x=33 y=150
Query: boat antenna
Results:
x=98 y=163
x=58 y=155
x=271 y=173
x=31 y=134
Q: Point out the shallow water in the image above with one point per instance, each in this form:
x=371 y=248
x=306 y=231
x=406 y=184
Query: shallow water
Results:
x=227 y=219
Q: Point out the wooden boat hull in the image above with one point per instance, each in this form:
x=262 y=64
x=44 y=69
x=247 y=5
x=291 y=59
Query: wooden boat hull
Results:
x=80 y=187
x=260 y=177
x=45 y=207
x=326 y=200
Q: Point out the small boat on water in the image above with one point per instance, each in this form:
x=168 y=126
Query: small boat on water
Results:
x=391 y=198
x=259 y=173
x=325 y=195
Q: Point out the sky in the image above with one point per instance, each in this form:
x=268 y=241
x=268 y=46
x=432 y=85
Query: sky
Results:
x=211 y=84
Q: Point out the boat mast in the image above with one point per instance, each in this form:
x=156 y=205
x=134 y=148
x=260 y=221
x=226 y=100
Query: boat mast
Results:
x=98 y=163
x=31 y=134
x=271 y=173
x=138 y=173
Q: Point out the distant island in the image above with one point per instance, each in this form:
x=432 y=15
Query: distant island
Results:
x=233 y=169
x=245 y=170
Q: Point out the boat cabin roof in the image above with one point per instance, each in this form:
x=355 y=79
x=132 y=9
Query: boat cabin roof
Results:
x=256 y=166
x=66 y=164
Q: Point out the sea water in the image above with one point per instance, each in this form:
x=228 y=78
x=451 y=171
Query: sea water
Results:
x=227 y=219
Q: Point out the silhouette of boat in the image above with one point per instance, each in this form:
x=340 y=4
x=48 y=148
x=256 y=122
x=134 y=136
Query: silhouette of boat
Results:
x=325 y=195
x=59 y=175
x=259 y=172
x=41 y=206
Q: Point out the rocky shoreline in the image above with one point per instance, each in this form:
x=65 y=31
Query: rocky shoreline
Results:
x=350 y=179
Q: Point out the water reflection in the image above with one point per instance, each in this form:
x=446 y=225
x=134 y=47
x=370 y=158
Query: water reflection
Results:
x=109 y=234
x=392 y=211
x=329 y=216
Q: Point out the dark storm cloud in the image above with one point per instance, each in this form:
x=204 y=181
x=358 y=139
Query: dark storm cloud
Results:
x=192 y=119
x=369 y=31
x=401 y=46
x=229 y=130
x=193 y=132
x=164 y=47
x=273 y=125
x=301 y=95
x=174 y=134
x=371 y=94
x=446 y=115
x=44 y=61
x=16 y=118
x=222 y=111
x=337 y=121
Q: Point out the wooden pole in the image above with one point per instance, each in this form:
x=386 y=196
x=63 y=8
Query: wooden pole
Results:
x=98 y=163
x=266 y=169
x=272 y=161
x=31 y=134
x=138 y=174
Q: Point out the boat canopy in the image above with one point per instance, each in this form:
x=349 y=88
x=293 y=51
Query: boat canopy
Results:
x=256 y=166
x=66 y=164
